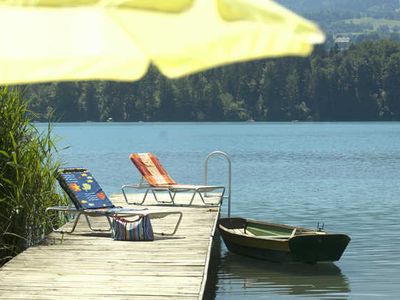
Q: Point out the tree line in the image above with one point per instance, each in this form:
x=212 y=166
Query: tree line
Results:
x=358 y=84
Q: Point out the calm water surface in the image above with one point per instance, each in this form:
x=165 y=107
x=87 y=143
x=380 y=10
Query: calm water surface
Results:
x=344 y=174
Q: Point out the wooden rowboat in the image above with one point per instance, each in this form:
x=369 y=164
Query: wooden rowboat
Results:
x=281 y=243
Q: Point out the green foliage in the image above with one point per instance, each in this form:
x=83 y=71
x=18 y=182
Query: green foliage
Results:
x=361 y=83
x=27 y=177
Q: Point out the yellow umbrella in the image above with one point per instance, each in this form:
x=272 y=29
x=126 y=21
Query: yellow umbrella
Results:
x=48 y=40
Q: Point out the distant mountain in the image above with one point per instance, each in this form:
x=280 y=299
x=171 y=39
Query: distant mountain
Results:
x=358 y=19
x=372 y=8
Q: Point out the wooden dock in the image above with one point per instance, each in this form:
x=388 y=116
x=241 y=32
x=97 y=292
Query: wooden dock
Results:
x=86 y=265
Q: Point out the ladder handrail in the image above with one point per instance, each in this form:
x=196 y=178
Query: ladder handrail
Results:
x=226 y=156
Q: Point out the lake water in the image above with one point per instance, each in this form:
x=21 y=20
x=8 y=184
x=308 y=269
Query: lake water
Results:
x=343 y=174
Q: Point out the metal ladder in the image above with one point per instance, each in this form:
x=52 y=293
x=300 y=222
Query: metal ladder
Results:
x=227 y=158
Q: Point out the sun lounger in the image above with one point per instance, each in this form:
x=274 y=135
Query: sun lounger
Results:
x=89 y=199
x=158 y=180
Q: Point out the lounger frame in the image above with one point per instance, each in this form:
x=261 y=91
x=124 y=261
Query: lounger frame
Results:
x=126 y=213
x=108 y=210
x=172 y=191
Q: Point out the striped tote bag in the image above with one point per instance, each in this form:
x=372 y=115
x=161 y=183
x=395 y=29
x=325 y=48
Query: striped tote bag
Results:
x=136 y=230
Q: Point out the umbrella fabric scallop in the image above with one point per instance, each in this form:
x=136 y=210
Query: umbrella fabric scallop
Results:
x=49 y=40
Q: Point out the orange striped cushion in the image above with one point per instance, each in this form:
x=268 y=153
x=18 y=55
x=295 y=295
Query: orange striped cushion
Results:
x=151 y=169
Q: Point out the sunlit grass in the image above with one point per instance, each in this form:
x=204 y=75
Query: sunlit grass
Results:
x=375 y=22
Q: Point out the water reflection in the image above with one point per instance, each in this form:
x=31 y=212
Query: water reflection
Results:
x=241 y=276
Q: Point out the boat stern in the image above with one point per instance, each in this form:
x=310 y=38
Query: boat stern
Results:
x=318 y=248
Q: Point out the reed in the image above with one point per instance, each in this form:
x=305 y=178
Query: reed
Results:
x=27 y=176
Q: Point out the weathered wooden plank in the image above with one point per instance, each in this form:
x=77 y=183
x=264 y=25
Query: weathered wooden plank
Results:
x=13 y=295
x=87 y=265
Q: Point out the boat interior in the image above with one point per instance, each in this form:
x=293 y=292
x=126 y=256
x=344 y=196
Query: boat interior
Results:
x=267 y=230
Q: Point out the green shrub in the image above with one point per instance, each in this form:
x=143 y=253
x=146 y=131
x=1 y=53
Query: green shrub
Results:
x=27 y=176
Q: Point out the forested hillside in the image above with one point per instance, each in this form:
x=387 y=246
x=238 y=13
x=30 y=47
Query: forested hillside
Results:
x=358 y=19
x=360 y=7
x=362 y=83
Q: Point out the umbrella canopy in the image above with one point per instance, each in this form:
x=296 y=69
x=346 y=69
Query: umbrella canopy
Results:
x=48 y=40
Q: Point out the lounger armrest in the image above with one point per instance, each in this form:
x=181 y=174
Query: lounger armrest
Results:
x=137 y=186
x=158 y=215
x=153 y=215
x=64 y=209
x=183 y=187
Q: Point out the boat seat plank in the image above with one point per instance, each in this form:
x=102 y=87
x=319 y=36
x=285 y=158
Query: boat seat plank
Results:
x=237 y=231
x=249 y=233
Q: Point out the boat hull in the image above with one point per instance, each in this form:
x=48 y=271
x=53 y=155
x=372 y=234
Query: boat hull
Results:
x=308 y=246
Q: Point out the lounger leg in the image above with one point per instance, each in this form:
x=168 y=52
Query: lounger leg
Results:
x=194 y=194
x=144 y=197
x=133 y=187
x=154 y=195
x=172 y=196
x=98 y=229
x=145 y=194
x=160 y=201
x=208 y=203
x=202 y=199
x=176 y=226
x=109 y=222
x=75 y=223
x=212 y=204
x=123 y=193
x=58 y=230
x=198 y=191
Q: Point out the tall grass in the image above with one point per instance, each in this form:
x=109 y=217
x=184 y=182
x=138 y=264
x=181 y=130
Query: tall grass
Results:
x=27 y=176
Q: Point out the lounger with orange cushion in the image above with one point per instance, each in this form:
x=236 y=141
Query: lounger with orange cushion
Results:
x=158 y=180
